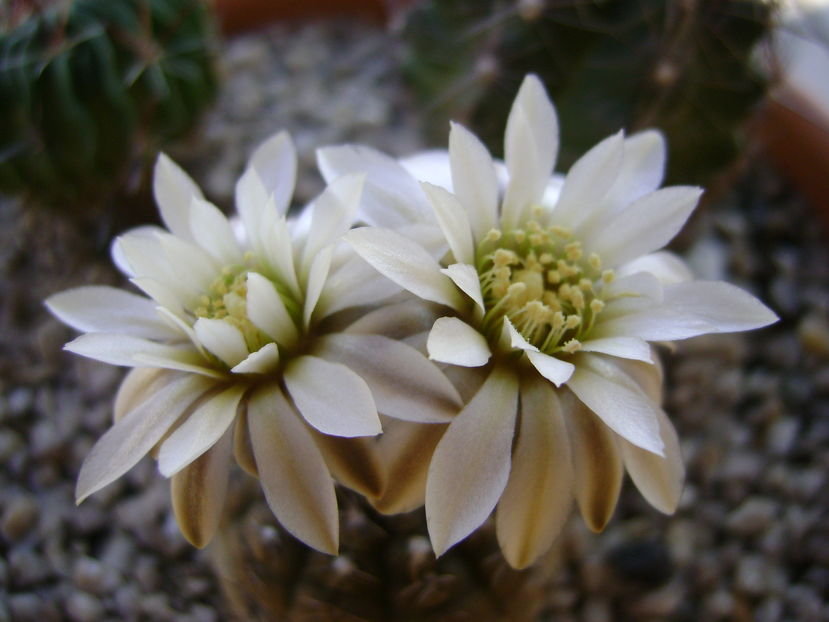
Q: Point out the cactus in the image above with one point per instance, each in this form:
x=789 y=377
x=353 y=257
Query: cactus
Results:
x=683 y=66
x=88 y=87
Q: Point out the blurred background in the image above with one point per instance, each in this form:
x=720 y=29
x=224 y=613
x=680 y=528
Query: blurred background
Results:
x=91 y=90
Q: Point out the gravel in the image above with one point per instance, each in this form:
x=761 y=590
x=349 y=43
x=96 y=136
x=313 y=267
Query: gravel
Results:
x=749 y=542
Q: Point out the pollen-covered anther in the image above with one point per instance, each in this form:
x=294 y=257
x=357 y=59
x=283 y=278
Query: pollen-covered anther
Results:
x=493 y=235
x=596 y=306
x=608 y=276
x=572 y=322
x=595 y=261
x=573 y=251
x=573 y=345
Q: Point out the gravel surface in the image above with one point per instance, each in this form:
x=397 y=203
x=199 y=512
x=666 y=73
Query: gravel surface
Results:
x=750 y=541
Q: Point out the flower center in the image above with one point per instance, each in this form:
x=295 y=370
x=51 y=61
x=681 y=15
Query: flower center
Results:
x=226 y=299
x=540 y=279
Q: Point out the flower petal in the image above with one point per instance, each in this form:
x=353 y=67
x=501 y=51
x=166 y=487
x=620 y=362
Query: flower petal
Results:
x=530 y=150
x=391 y=196
x=332 y=214
x=453 y=341
x=588 y=181
x=189 y=263
x=643 y=168
x=222 y=339
x=471 y=464
x=664 y=265
x=275 y=164
x=466 y=278
x=431 y=166
x=198 y=493
x=212 y=231
x=135 y=434
x=474 y=180
x=404 y=262
x=174 y=190
x=597 y=466
x=137 y=386
x=553 y=369
x=404 y=384
x=263 y=361
x=96 y=309
x=242 y=445
x=317 y=276
x=396 y=321
x=331 y=397
x=645 y=226
x=537 y=500
x=659 y=479
x=354 y=462
x=266 y=309
x=354 y=283
x=204 y=427
x=123 y=349
x=297 y=485
x=623 y=347
x=453 y=221
x=617 y=400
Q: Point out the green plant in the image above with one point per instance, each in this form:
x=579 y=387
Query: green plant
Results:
x=89 y=87
x=681 y=66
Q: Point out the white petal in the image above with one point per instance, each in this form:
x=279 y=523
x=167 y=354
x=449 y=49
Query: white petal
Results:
x=642 y=169
x=391 y=196
x=137 y=386
x=95 y=309
x=530 y=150
x=404 y=384
x=466 y=278
x=454 y=222
x=275 y=164
x=645 y=226
x=333 y=213
x=147 y=260
x=167 y=297
x=455 y=342
x=658 y=479
x=198 y=493
x=474 y=180
x=553 y=369
x=136 y=433
x=316 y=282
x=182 y=360
x=252 y=201
x=266 y=309
x=664 y=265
x=189 y=264
x=204 y=427
x=471 y=464
x=431 y=166
x=623 y=347
x=213 y=232
x=331 y=397
x=396 y=321
x=276 y=249
x=222 y=339
x=296 y=482
x=122 y=349
x=354 y=283
x=174 y=190
x=588 y=181
x=263 y=361
x=597 y=465
x=119 y=258
x=537 y=500
x=618 y=401
x=516 y=339
x=404 y=262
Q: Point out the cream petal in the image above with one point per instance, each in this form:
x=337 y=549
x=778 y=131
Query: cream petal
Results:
x=623 y=347
x=332 y=214
x=597 y=465
x=539 y=495
x=174 y=190
x=213 y=232
x=659 y=479
x=471 y=464
x=405 y=450
x=252 y=201
x=147 y=260
x=242 y=444
x=404 y=262
x=664 y=265
x=453 y=221
x=317 y=276
x=222 y=339
x=95 y=309
x=123 y=349
x=331 y=397
x=530 y=150
x=135 y=434
x=617 y=400
x=646 y=225
x=266 y=309
x=643 y=168
x=183 y=360
x=263 y=361
x=296 y=482
x=189 y=263
x=404 y=384
x=516 y=339
x=277 y=250
x=588 y=181
x=204 y=427
x=553 y=369
x=431 y=166
x=453 y=341
x=466 y=278
x=198 y=493
x=391 y=196
x=167 y=297
x=474 y=181
x=354 y=462
x=119 y=257
x=397 y=321
x=137 y=386
x=354 y=283
x=275 y=164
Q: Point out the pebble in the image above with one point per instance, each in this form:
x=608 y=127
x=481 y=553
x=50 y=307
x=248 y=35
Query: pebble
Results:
x=19 y=401
x=19 y=517
x=92 y=576
x=753 y=516
x=782 y=435
x=752 y=576
x=813 y=332
x=83 y=607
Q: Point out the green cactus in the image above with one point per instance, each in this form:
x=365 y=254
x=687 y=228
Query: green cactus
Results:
x=90 y=87
x=683 y=66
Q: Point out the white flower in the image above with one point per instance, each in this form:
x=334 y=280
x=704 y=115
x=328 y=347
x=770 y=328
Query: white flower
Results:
x=555 y=289
x=237 y=348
